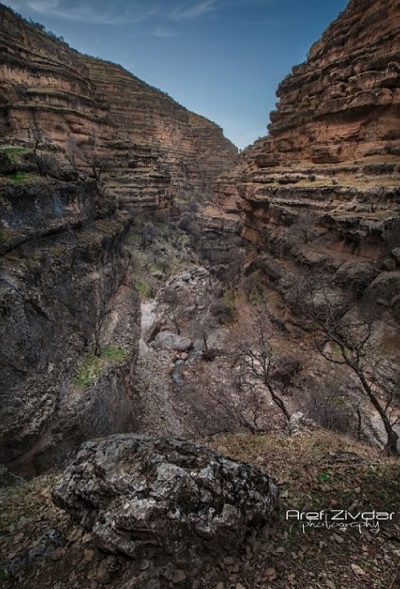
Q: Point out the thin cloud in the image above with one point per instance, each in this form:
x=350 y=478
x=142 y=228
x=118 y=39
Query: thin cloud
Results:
x=163 y=33
x=187 y=12
x=84 y=14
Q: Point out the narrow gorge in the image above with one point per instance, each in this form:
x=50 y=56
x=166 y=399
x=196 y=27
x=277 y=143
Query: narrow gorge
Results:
x=162 y=289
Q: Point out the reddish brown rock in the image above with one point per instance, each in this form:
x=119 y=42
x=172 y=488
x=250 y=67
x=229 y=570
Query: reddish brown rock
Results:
x=324 y=184
x=152 y=149
x=344 y=102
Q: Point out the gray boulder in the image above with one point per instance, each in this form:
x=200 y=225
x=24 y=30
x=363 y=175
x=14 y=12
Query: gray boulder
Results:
x=164 y=499
x=388 y=265
x=167 y=340
x=385 y=290
x=396 y=254
x=356 y=275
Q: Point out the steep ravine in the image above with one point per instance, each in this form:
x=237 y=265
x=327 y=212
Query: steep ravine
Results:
x=319 y=198
x=316 y=203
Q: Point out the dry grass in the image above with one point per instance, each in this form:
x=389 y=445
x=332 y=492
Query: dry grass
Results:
x=321 y=470
x=315 y=470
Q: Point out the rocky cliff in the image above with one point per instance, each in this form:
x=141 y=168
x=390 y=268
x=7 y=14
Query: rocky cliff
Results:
x=321 y=192
x=344 y=102
x=148 y=149
x=84 y=144
x=69 y=318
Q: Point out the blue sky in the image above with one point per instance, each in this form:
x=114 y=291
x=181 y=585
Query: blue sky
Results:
x=220 y=58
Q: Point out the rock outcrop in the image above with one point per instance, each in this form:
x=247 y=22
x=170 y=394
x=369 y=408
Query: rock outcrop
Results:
x=150 y=150
x=344 y=102
x=69 y=321
x=168 y=501
x=320 y=194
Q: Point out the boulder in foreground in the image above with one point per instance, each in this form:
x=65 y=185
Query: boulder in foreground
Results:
x=164 y=498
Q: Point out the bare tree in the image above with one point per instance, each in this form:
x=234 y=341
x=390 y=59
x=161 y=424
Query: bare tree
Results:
x=220 y=404
x=343 y=336
x=72 y=150
x=37 y=136
x=97 y=163
x=89 y=155
x=103 y=306
x=257 y=358
x=330 y=406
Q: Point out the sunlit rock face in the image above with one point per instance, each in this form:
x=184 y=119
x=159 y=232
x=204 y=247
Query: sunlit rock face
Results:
x=344 y=102
x=320 y=194
x=154 y=151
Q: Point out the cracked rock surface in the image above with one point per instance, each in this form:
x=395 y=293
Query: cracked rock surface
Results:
x=164 y=498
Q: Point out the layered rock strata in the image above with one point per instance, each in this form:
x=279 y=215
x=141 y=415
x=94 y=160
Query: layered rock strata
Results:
x=84 y=145
x=149 y=149
x=321 y=193
x=344 y=102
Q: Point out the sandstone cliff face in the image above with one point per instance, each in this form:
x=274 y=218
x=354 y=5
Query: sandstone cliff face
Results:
x=84 y=144
x=344 y=102
x=91 y=111
x=321 y=193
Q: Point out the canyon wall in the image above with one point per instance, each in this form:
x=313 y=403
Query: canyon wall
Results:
x=320 y=195
x=69 y=321
x=84 y=146
x=150 y=150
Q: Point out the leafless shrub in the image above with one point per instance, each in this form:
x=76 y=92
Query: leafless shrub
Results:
x=256 y=360
x=343 y=335
x=330 y=409
x=285 y=368
x=220 y=407
x=222 y=311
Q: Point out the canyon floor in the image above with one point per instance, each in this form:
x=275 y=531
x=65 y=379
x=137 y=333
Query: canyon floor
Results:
x=184 y=394
x=41 y=547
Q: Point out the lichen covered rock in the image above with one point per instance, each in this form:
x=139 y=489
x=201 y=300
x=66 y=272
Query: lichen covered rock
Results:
x=164 y=498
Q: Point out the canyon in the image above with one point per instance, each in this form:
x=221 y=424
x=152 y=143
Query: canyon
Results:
x=154 y=282
x=90 y=146
x=320 y=193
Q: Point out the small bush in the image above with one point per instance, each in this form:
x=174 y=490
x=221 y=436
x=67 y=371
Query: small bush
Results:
x=114 y=353
x=89 y=371
x=285 y=368
x=5 y=233
x=330 y=410
x=14 y=153
x=19 y=177
x=145 y=291
x=223 y=311
x=92 y=366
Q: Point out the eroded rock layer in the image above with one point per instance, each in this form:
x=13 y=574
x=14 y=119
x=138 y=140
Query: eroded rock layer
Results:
x=149 y=149
x=344 y=102
x=320 y=194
